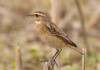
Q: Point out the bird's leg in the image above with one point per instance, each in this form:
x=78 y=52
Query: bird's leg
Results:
x=54 y=57
x=56 y=54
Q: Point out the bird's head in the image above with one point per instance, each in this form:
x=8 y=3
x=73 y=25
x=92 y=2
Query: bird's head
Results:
x=40 y=16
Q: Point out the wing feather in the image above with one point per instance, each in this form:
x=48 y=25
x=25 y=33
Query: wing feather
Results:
x=53 y=29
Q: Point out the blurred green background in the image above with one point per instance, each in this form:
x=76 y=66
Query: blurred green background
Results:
x=17 y=29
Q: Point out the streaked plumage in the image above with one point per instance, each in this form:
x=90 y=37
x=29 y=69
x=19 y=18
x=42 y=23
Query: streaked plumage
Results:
x=51 y=34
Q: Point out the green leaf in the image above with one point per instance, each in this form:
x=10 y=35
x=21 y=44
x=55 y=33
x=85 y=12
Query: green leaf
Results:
x=35 y=52
x=98 y=58
x=62 y=53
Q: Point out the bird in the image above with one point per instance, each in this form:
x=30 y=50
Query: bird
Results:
x=50 y=33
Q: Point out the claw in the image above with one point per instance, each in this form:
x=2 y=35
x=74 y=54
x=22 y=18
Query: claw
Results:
x=53 y=61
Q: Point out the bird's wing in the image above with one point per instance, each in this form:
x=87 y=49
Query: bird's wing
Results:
x=53 y=29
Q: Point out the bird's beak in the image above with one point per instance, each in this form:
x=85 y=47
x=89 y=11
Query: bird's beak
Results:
x=30 y=15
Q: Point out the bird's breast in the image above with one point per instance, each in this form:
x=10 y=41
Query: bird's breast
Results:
x=41 y=29
x=50 y=38
x=44 y=33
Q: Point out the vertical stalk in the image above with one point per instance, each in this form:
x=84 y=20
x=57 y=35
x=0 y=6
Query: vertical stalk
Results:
x=85 y=37
x=18 y=58
x=83 y=58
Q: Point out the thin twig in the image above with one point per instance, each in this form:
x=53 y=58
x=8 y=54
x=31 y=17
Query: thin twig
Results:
x=85 y=37
x=83 y=58
x=18 y=58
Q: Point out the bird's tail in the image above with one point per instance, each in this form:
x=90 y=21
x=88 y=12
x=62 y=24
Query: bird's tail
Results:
x=77 y=49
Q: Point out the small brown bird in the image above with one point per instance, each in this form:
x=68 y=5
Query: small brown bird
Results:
x=51 y=34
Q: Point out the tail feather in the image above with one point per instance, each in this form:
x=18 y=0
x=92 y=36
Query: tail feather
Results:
x=77 y=49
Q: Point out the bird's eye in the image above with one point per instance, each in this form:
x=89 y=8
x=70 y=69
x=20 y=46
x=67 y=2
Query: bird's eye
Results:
x=36 y=15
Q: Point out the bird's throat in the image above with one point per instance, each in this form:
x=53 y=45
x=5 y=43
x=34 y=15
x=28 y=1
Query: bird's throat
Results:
x=38 y=22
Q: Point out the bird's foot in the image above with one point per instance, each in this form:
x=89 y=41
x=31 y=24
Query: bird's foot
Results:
x=52 y=61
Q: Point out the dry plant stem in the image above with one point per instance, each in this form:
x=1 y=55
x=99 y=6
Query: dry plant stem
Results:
x=57 y=8
x=83 y=58
x=85 y=37
x=45 y=66
x=18 y=59
x=67 y=18
x=94 y=18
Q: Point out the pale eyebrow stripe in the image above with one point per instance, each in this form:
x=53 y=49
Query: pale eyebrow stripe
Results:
x=39 y=14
